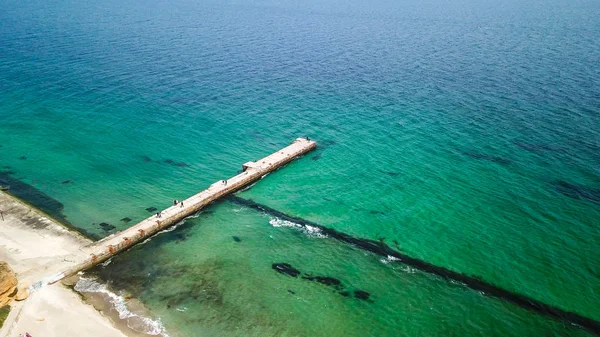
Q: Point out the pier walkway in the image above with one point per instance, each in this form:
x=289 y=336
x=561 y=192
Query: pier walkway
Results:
x=102 y=250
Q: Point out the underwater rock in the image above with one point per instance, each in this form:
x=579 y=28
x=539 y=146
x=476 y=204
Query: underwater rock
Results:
x=146 y=159
x=291 y=292
x=577 y=191
x=126 y=219
x=484 y=156
x=316 y=157
x=236 y=238
x=344 y=293
x=328 y=281
x=22 y=157
x=151 y=209
x=67 y=182
x=376 y=212
x=473 y=282
x=361 y=294
x=107 y=227
x=285 y=268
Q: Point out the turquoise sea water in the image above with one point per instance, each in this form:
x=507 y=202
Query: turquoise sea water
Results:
x=466 y=134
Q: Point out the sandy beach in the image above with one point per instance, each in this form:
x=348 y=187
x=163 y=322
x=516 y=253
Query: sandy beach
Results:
x=37 y=247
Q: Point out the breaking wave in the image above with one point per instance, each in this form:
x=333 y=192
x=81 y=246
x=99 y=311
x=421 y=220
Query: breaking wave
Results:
x=307 y=229
x=134 y=321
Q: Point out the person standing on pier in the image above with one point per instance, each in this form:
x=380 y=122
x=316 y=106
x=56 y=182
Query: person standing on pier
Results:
x=181 y=204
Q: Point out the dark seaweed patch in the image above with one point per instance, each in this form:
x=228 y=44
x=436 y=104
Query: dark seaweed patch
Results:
x=22 y=157
x=473 y=282
x=171 y=162
x=42 y=201
x=236 y=238
x=151 y=209
x=126 y=219
x=484 y=156
x=390 y=173
x=291 y=292
x=538 y=148
x=181 y=164
x=316 y=157
x=577 y=191
x=200 y=284
x=174 y=163
x=66 y=182
x=376 y=212
x=179 y=236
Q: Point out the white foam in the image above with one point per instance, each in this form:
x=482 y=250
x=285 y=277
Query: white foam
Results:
x=308 y=230
x=136 y=322
x=389 y=259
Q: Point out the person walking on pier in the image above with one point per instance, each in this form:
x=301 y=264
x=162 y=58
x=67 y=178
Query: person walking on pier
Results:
x=224 y=182
x=181 y=204
x=158 y=215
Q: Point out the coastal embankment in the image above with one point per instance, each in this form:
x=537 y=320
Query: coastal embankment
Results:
x=35 y=245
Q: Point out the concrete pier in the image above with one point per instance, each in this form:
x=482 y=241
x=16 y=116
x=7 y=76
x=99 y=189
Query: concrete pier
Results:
x=102 y=250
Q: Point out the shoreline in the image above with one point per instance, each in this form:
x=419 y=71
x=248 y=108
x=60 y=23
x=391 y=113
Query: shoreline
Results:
x=36 y=246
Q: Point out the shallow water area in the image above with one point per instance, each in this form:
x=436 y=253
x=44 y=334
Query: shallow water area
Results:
x=221 y=286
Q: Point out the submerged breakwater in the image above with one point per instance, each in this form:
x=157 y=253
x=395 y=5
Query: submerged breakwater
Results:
x=473 y=282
